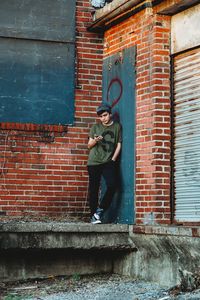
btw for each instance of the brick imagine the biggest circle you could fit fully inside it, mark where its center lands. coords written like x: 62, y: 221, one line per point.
x: 39, y: 171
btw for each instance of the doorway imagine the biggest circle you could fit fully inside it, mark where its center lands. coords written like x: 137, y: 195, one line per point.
x: 119, y: 92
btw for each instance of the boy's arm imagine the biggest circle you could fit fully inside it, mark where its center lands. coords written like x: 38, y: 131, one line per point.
x: 117, y: 151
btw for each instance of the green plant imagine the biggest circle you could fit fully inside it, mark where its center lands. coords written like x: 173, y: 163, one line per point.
x: 76, y: 277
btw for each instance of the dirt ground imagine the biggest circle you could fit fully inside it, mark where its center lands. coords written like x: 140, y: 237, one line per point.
x: 65, y: 286
x: 99, y: 287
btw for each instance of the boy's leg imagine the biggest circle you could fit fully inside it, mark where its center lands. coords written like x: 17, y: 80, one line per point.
x: 93, y: 189
x: 109, y: 174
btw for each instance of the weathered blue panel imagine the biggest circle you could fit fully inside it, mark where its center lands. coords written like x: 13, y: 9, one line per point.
x: 36, y: 82
x: 37, y: 61
x: 52, y: 20
x: 119, y: 91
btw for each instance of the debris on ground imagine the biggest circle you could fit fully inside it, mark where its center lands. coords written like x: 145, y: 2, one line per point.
x: 188, y: 282
x: 98, y: 287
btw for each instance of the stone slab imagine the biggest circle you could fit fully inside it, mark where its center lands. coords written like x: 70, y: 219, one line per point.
x: 53, y: 235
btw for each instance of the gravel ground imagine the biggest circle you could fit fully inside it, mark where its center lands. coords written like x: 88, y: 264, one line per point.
x: 104, y: 287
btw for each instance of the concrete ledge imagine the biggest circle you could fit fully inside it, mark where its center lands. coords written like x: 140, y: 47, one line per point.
x: 37, y: 249
x: 20, y: 226
x: 153, y: 253
x: 39, y: 235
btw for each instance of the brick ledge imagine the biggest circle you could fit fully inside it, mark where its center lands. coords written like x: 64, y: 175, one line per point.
x: 192, y: 231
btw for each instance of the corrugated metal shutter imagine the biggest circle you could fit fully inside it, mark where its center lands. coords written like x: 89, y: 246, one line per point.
x: 187, y: 136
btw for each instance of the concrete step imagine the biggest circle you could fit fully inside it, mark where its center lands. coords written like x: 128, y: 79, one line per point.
x: 39, y: 249
x: 61, y: 235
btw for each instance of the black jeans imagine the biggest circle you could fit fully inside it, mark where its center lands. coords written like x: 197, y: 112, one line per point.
x: 108, y: 172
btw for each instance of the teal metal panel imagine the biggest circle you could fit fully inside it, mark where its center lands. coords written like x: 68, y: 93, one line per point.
x: 119, y: 92
x: 36, y: 82
x: 37, y: 61
x: 52, y: 20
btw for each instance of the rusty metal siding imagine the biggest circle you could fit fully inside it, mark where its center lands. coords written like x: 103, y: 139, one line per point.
x: 187, y: 136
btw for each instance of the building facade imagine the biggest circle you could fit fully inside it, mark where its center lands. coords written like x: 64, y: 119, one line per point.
x: 59, y: 61
x: 140, y: 56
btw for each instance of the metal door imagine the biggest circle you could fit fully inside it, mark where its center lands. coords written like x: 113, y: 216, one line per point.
x: 119, y: 92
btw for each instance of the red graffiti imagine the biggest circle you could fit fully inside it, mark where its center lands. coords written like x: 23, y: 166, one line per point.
x: 116, y: 100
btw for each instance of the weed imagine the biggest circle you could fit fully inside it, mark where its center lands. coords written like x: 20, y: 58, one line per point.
x: 76, y: 277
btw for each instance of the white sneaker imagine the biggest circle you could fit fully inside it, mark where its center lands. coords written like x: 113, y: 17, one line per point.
x: 95, y: 219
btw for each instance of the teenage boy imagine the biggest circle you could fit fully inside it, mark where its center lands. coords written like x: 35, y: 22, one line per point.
x: 105, y: 145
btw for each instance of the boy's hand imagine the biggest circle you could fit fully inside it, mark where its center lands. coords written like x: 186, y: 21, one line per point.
x: 93, y: 141
x: 98, y: 138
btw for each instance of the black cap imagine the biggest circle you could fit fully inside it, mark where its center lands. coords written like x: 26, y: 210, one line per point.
x: 102, y: 108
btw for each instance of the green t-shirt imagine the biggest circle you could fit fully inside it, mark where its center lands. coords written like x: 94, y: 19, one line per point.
x: 103, y: 151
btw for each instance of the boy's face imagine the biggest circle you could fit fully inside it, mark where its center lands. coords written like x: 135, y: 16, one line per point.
x: 105, y: 118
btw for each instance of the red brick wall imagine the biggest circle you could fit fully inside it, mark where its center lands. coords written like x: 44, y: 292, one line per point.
x: 43, y: 168
x: 151, y: 35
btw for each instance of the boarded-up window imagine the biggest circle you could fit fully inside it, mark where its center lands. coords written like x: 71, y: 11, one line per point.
x: 37, y: 50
